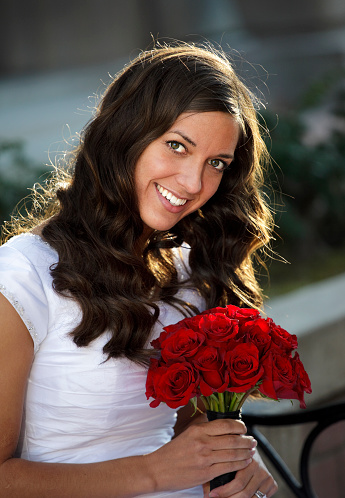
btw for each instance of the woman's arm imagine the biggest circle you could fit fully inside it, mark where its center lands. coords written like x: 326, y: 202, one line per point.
x: 198, y: 454
x: 126, y: 477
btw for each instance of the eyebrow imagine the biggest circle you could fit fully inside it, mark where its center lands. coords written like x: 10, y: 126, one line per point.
x: 190, y: 141
x: 187, y: 139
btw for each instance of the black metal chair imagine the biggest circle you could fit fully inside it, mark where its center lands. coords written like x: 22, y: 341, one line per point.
x: 323, y: 417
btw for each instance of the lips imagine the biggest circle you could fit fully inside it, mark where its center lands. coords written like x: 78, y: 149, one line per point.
x: 174, y: 201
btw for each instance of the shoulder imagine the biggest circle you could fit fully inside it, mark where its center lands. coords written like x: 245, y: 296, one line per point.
x: 31, y: 246
x: 27, y: 256
x: 25, y: 280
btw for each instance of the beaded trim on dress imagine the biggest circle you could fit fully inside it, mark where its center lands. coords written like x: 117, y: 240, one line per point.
x: 21, y: 311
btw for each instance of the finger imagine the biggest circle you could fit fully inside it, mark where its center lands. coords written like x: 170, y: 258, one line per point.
x: 272, y: 489
x: 218, y: 469
x: 236, y: 455
x: 266, y: 485
x: 225, y: 426
x: 267, y: 489
x: 230, y: 442
x: 237, y: 487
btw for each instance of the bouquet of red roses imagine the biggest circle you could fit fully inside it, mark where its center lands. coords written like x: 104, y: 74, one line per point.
x: 222, y: 356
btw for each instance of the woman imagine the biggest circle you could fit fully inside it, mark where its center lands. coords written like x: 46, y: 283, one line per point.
x: 161, y: 218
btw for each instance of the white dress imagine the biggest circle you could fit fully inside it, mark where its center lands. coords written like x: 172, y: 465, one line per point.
x: 80, y: 408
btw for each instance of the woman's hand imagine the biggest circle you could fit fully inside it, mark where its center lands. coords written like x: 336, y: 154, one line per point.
x: 252, y: 478
x: 200, y: 453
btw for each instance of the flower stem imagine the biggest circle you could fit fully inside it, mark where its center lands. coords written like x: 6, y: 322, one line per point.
x: 227, y: 396
x: 213, y: 402
x: 206, y: 403
x: 245, y: 396
x: 234, y: 402
x: 221, y: 402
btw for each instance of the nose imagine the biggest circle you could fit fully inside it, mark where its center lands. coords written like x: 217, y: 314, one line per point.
x: 191, y: 177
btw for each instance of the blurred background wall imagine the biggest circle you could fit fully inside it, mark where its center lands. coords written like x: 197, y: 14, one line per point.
x: 295, y: 41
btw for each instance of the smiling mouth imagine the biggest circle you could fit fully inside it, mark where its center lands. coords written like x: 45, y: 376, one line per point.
x: 174, y: 201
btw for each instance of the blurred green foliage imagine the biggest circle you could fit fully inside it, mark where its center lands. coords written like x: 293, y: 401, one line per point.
x: 308, y: 182
x: 311, y: 207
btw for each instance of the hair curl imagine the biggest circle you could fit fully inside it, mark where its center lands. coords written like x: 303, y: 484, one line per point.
x: 97, y: 226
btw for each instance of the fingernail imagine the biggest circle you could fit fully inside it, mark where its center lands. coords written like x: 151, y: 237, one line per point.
x: 213, y: 495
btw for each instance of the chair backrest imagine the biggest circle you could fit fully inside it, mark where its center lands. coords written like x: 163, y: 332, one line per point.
x: 323, y: 417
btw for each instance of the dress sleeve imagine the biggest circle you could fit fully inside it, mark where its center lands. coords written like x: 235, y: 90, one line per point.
x: 21, y: 284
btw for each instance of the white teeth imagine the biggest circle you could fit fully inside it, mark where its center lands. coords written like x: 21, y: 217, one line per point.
x: 175, y: 201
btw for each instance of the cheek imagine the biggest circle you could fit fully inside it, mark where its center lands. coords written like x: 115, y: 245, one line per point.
x: 142, y: 176
x: 211, y: 184
x: 152, y: 168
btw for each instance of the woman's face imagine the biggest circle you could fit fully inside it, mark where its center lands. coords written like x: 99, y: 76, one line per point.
x: 181, y: 170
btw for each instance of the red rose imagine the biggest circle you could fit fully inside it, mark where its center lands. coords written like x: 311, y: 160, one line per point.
x: 190, y: 322
x: 172, y: 384
x: 302, y: 380
x: 187, y: 323
x: 157, y: 343
x: 150, y: 382
x: 244, y: 367
x: 284, y: 376
x: 281, y: 337
x: 266, y: 387
x: 182, y: 344
x: 242, y: 314
x: 280, y: 376
x: 213, y: 377
x: 225, y: 349
x: 257, y: 332
x: 219, y: 329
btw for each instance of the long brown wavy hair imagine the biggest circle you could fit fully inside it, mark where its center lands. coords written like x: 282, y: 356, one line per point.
x: 97, y: 226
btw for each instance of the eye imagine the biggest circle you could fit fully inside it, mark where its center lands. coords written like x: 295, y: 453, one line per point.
x: 218, y: 164
x: 176, y: 146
